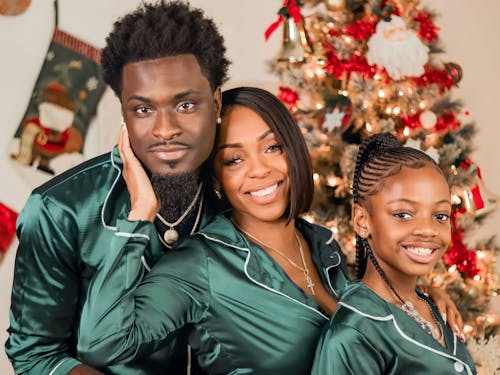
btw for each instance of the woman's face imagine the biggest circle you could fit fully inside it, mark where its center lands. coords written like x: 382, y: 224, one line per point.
x: 251, y: 167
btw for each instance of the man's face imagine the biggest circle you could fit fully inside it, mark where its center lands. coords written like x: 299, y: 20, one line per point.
x: 170, y: 112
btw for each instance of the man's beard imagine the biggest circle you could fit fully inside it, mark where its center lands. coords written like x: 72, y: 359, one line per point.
x: 176, y: 192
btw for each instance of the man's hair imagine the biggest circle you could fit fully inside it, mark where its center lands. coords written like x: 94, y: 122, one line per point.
x: 281, y: 122
x: 163, y: 29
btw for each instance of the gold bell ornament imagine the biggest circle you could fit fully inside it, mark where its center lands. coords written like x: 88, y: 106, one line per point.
x: 296, y: 46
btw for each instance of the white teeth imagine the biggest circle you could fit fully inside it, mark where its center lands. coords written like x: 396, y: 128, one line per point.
x: 263, y: 192
x: 420, y: 250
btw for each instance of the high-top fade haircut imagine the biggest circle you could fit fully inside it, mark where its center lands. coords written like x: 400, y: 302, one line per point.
x: 380, y: 156
x: 283, y: 125
x: 162, y: 29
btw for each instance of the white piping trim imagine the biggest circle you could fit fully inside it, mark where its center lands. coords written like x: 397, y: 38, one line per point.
x: 327, y: 270
x: 145, y: 264
x: 258, y: 283
x: 402, y: 334
x: 58, y: 365
x: 132, y: 235
x: 109, y: 193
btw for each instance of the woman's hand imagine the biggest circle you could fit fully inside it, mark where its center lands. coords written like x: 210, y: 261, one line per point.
x: 144, y: 202
x: 447, y: 308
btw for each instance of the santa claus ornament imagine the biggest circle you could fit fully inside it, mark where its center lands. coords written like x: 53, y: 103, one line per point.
x: 396, y: 49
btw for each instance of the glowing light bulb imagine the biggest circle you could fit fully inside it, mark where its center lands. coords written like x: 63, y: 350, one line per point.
x: 381, y: 93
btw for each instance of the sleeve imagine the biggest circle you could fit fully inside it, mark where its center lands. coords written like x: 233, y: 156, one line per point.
x: 124, y: 318
x: 344, y: 350
x: 44, y: 293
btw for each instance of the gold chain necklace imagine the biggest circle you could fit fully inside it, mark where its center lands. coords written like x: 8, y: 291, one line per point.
x: 171, y: 235
x: 304, y: 269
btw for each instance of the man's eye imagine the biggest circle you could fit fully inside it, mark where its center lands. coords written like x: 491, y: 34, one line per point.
x: 143, y: 110
x: 186, y: 106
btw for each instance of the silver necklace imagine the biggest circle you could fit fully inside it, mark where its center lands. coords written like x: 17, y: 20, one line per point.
x: 171, y: 235
x: 304, y: 269
x: 407, y: 306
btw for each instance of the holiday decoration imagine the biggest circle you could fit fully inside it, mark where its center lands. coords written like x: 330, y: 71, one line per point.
x: 8, y: 219
x: 52, y: 132
x: 13, y: 7
x: 398, y: 50
x: 376, y: 67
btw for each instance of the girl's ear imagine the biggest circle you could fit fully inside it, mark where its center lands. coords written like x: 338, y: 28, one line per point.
x: 360, y: 221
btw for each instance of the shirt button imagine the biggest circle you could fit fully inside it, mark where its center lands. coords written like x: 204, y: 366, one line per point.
x: 459, y: 367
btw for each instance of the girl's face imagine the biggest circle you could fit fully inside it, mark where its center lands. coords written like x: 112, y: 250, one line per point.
x: 409, y: 221
x: 251, y: 167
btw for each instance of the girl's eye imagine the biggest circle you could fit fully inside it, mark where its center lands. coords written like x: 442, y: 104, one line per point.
x: 402, y: 215
x: 186, y: 107
x: 275, y: 148
x: 443, y: 217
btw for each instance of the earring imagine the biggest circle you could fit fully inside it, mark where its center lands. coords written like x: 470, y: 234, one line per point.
x: 123, y: 122
x: 219, y: 120
x: 363, y: 234
x: 218, y: 193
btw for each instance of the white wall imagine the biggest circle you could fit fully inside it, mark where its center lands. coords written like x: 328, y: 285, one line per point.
x: 469, y: 35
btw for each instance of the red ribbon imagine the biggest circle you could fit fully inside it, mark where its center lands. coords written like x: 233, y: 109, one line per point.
x: 293, y: 11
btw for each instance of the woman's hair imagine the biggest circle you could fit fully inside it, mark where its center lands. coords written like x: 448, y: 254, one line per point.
x: 163, y: 29
x: 283, y: 125
x: 380, y: 156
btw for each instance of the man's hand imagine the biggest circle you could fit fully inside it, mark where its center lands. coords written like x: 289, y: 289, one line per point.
x: 447, y: 309
x: 144, y: 203
x: 84, y: 370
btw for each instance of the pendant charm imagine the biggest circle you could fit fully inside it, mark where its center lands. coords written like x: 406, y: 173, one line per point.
x: 170, y: 236
x: 310, y: 284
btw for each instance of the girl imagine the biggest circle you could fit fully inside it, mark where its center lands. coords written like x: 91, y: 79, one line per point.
x: 384, y: 324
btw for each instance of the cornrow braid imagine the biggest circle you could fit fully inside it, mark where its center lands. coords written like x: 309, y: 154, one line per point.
x: 380, y: 156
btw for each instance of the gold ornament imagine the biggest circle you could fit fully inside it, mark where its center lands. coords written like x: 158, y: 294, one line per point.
x: 335, y: 5
x: 296, y: 47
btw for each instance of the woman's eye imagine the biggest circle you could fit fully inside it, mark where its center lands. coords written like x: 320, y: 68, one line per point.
x: 232, y: 161
x: 275, y: 148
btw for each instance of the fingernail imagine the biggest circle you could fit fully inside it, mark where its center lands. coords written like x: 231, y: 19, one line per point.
x: 444, y: 316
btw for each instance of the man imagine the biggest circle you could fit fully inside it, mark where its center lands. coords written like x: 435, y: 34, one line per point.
x: 166, y: 64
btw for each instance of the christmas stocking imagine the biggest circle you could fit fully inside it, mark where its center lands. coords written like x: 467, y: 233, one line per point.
x: 51, y: 135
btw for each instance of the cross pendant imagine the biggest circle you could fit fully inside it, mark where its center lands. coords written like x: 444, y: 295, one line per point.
x: 310, y: 284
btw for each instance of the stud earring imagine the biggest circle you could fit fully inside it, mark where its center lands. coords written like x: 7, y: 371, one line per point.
x: 362, y: 234
x: 219, y: 120
x: 218, y: 193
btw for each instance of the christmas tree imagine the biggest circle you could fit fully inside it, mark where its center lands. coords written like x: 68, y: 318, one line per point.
x: 352, y: 68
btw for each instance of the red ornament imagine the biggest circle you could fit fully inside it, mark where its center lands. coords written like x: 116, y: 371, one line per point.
x: 455, y: 71
x: 458, y: 254
x: 289, y: 97
x: 8, y: 219
x: 427, y: 29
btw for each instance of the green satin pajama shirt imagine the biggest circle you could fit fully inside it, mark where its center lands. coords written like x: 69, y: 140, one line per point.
x: 65, y: 231
x: 246, y: 315
x: 368, y: 335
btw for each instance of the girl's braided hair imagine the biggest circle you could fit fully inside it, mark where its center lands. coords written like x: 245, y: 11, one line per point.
x: 380, y: 156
